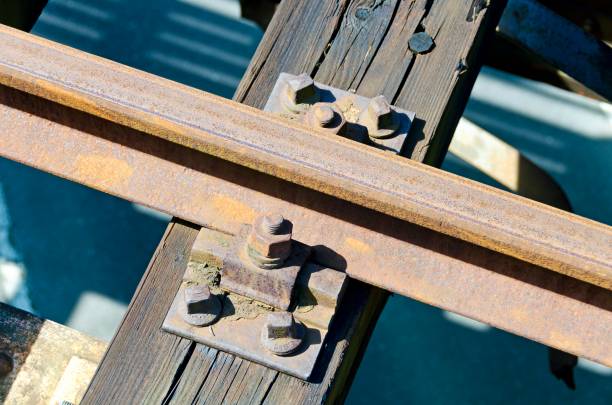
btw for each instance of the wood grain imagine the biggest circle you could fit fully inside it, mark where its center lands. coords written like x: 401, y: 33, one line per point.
x: 559, y: 42
x: 360, y: 45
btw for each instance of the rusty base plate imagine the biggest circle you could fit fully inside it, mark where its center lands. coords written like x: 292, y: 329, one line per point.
x: 318, y: 290
x: 351, y: 105
x: 241, y: 336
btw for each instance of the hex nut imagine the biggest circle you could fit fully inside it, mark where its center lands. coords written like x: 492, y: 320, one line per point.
x: 326, y: 116
x: 201, y: 307
x: 380, y: 119
x: 272, y: 223
x: 281, y: 334
x: 299, y: 93
x: 269, y: 246
x: 323, y: 114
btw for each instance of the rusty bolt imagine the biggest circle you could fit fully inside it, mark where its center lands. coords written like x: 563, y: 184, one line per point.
x: 6, y: 364
x: 420, y: 42
x: 323, y: 114
x: 201, y: 307
x: 281, y: 334
x: 269, y: 242
x: 299, y: 92
x: 326, y: 116
x: 379, y: 118
x: 272, y: 223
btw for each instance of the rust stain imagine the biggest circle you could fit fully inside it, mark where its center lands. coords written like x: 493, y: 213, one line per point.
x: 358, y: 245
x: 233, y: 210
x: 103, y: 170
x: 393, y: 186
x: 376, y: 251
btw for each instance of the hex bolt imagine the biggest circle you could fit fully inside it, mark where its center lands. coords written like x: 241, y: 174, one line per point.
x: 281, y: 334
x: 272, y: 223
x: 379, y: 118
x: 300, y: 92
x: 269, y: 242
x: 326, y: 116
x: 6, y: 364
x: 201, y: 308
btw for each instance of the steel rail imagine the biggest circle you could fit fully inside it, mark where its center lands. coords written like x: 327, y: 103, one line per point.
x: 404, y: 258
x: 519, y: 297
x: 335, y: 166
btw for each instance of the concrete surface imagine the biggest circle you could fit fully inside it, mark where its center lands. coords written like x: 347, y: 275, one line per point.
x: 75, y: 256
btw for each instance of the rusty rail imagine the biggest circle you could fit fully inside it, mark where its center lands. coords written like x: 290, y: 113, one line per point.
x: 398, y: 187
x: 106, y: 154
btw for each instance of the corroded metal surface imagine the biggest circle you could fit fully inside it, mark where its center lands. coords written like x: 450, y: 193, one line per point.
x: 270, y: 286
x: 507, y: 293
x: 243, y: 320
x: 351, y: 107
x: 402, y: 257
x: 334, y: 166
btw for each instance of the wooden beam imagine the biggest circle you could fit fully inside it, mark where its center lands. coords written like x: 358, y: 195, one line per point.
x: 48, y: 362
x: 341, y: 43
x: 559, y: 42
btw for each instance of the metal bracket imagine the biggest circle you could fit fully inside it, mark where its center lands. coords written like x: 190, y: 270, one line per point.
x: 259, y: 274
x: 244, y: 324
x: 366, y: 120
x: 273, y: 287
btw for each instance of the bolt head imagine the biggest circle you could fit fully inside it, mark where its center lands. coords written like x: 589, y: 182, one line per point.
x: 380, y: 106
x: 272, y: 223
x: 326, y: 116
x: 264, y: 244
x: 279, y: 325
x: 379, y: 118
x: 420, y: 42
x: 380, y: 111
x: 201, y: 308
x: 300, y: 90
x: 281, y: 334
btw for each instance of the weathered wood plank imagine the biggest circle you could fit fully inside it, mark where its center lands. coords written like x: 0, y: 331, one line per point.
x: 560, y: 42
x: 393, y: 58
x: 295, y: 41
x: 439, y: 82
x: 143, y: 361
x: 363, y: 27
x: 49, y: 361
x: 360, y: 44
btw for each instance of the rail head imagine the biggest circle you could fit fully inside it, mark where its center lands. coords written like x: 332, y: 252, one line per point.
x: 394, y: 186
